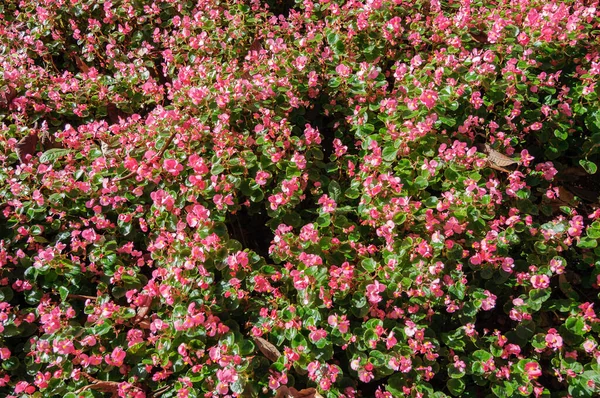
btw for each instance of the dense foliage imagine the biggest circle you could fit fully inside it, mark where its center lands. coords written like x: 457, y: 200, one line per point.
x: 355, y: 198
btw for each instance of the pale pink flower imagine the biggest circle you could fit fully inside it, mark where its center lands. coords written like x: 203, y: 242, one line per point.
x: 261, y: 177
x: 373, y: 291
x: 429, y: 98
x: 540, y: 281
x: 553, y: 339
x: 343, y: 70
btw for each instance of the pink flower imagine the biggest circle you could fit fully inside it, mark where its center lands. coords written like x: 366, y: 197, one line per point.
x: 89, y: 235
x: 343, y: 70
x: 553, y: 339
x: 134, y: 336
x: 526, y: 158
x: 540, y: 281
x: 547, y: 169
x: 197, y: 214
x: 328, y: 204
x: 172, y: 166
x: 4, y: 353
x: 365, y: 375
x: 25, y: 387
x: 317, y: 335
x: 428, y: 98
x: 311, y: 135
x: 489, y: 302
x: 536, y: 126
x: 373, y: 291
x: 533, y: 370
x: 89, y: 340
x: 116, y: 358
x: 227, y: 375
x: 589, y: 346
x: 261, y: 177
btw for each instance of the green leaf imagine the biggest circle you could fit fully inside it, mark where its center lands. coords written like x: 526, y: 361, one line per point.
x: 526, y: 329
x: 588, y: 166
x: 6, y: 294
x: 246, y: 347
x: 504, y: 390
x: 11, y: 363
x: 369, y: 264
x: 389, y: 153
x: 450, y: 175
x: 52, y: 154
x: 575, y: 325
x: 482, y: 355
x: 593, y: 230
x: 587, y: 243
x: 334, y: 82
x: 335, y: 190
x: 456, y: 386
x: 217, y: 168
x: 421, y: 182
x: 64, y: 292
x: 561, y: 135
x: 352, y: 193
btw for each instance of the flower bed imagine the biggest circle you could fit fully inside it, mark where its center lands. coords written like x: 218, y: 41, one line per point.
x: 334, y: 198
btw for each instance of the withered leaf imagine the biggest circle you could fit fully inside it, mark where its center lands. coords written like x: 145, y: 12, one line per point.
x: 497, y: 158
x: 26, y: 146
x: 269, y: 350
x: 111, y: 387
x: 571, y: 172
x: 114, y: 113
x: 49, y: 142
x: 586, y: 194
x: 480, y: 37
x: 291, y: 392
x: 256, y: 45
x: 565, y: 287
x: 161, y: 391
x: 7, y: 96
x: 142, y: 310
x: 80, y: 64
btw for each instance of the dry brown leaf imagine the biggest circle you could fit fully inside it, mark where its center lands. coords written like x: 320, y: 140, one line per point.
x: 564, y: 197
x: 480, y: 37
x: 256, y: 45
x: 142, y: 310
x: 291, y: 392
x: 111, y: 387
x: 564, y: 285
x: 26, y: 146
x: 283, y: 392
x: 48, y: 141
x: 161, y: 391
x: 497, y: 158
x: 80, y: 64
x: 585, y: 194
x: 114, y: 113
x: 571, y: 172
x: 269, y: 350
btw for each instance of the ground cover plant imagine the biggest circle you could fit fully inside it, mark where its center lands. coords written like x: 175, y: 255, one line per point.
x: 299, y: 199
